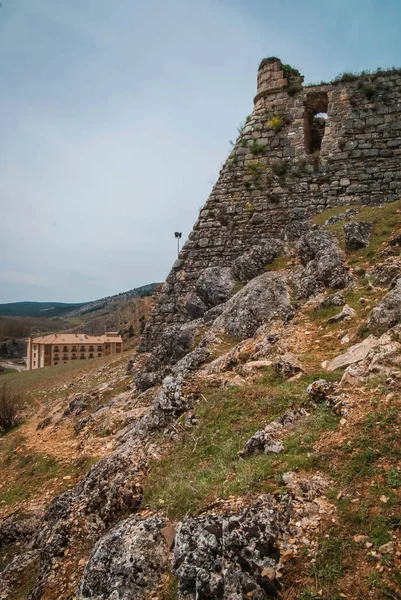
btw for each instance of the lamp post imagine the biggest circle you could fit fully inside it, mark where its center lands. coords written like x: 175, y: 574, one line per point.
x: 178, y: 235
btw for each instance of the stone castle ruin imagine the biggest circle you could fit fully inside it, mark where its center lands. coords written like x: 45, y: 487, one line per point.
x: 302, y: 150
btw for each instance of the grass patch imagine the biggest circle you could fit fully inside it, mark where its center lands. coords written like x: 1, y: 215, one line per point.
x: 385, y: 221
x: 204, y: 465
x: 279, y: 264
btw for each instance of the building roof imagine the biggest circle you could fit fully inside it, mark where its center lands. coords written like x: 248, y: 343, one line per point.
x: 76, y: 338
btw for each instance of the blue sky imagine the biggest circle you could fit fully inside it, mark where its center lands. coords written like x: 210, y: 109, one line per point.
x: 116, y: 117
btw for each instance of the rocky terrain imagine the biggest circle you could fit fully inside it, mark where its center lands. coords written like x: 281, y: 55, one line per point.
x: 254, y: 453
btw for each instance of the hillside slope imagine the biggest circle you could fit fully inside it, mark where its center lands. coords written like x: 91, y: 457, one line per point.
x: 257, y: 455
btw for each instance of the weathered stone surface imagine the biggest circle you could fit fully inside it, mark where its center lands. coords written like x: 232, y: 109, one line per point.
x: 386, y: 272
x: 270, y: 438
x: 229, y: 556
x: 323, y: 260
x: 336, y: 299
x: 388, y: 313
x: 127, y: 562
x: 77, y: 405
x: 357, y: 234
x: 346, y: 314
x: 319, y: 390
x: 262, y: 300
x: 287, y: 365
x: 353, y: 355
x: 253, y: 262
x: 215, y: 285
x: 14, y: 573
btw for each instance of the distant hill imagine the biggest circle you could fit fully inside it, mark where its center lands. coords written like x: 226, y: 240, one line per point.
x: 49, y: 310
x: 37, y: 309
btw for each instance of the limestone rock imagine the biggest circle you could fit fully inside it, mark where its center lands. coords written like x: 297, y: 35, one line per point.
x: 269, y: 439
x: 386, y: 272
x: 388, y: 313
x: 319, y: 390
x: 228, y: 556
x: 252, y: 263
x: 287, y: 365
x: 357, y: 234
x: 336, y: 299
x: 127, y: 562
x: 353, y: 355
x: 262, y: 300
x: 215, y: 285
x: 324, y: 262
x: 346, y: 314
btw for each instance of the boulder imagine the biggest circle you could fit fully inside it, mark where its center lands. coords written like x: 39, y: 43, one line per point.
x: 262, y: 300
x: 353, y: 355
x: 386, y: 272
x: 253, y: 262
x: 336, y: 299
x: 346, y: 314
x: 229, y: 556
x: 334, y: 219
x: 270, y: 438
x: 128, y: 562
x: 388, y: 313
x: 357, y: 234
x: 287, y: 365
x: 323, y: 260
x: 215, y: 285
x: 319, y: 390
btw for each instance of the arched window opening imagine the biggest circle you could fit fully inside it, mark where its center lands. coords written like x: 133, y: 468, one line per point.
x: 315, y: 120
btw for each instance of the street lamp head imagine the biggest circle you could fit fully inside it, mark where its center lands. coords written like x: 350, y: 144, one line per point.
x: 178, y: 234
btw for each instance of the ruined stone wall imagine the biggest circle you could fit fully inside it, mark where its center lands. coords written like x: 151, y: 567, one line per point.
x: 276, y: 177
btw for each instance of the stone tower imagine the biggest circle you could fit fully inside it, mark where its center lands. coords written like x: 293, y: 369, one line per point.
x: 303, y: 149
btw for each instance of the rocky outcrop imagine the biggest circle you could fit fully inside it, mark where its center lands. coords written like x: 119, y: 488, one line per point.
x: 287, y: 365
x: 354, y: 354
x: 127, y: 563
x: 386, y: 272
x: 388, y: 313
x: 270, y: 438
x: 215, y: 285
x: 230, y: 556
x: 253, y: 262
x: 323, y: 261
x: 262, y: 300
x: 357, y: 235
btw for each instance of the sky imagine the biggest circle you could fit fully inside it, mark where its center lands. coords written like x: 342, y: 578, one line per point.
x: 115, y: 118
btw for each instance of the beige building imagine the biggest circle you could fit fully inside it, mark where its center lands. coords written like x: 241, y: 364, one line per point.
x: 62, y: 348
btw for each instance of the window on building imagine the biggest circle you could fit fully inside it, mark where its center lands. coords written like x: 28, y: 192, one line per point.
x: 91, y: 348
x: 65, y: 357
x: 74, y: 349
x: 82, y: 357
x: 100, y: 348
x: 34, y: 363
x: 65, y: 349
x: 34, y: 347
x: 91, y: 355
x: 82, y: 348
x: 56, y: 349
x: 315, y: 120
x: 99, y: 354
x: 73, y: 357
x: 118, y: 347
x: 56, y: 363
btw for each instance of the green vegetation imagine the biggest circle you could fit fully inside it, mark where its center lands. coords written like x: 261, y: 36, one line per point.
x: 276, y: 123
x: 279, y: 264
x: 369, y: 90
x: 38, y: 309
x: 280, y: 168
x: 205, y: 465
x: 294, y: 88
x: 256, y: 148
x: 385, y: 222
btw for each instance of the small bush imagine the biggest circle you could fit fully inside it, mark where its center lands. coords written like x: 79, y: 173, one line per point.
x: 294, y: 88
x: 369, y: 90
x: 256, y: 148
x: 8, y: 409
x: 276, y: 123
x: 247, y: 184
x: 279, y: 168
